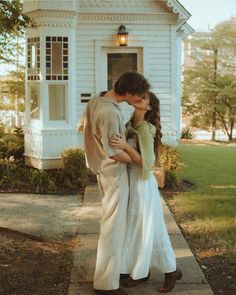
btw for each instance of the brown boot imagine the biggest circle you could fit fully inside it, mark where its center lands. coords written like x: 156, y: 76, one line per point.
x: 170, y: 280
x: 110, y: 292
x: 129, y: 283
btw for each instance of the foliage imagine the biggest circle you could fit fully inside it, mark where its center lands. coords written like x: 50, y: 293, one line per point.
x: 14, y: 175
x: 13, y: 88
x: 8, y: 171
x: 42, y: 180
x: 12, y: 144
x: 186, y: 133
x: 12, y: 26
x: 209, y: 86
x: 2, y: 130
x: 11, y: 17
x: 75, y: 170
x: 170, y: 160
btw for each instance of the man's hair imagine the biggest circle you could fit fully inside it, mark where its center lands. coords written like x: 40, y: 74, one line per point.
x: 131, y: 82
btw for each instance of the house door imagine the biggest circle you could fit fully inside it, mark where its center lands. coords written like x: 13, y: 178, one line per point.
x: 118, y: 61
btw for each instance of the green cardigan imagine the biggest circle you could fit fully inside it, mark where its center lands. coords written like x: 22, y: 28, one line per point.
x: 146, y: 133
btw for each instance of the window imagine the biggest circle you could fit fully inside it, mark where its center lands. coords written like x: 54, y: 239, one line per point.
x: 119, y: 63
x: 57, y: 102
x: 34, y: 97
x: 33, y: 62
x: 56, y: 58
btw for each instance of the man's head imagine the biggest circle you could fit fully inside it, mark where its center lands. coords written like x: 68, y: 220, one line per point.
x: 132, y: 86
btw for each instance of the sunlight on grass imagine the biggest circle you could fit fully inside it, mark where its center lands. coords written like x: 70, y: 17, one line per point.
x: 209, y: 166
x: 208, y: 213
x: 223, y: 186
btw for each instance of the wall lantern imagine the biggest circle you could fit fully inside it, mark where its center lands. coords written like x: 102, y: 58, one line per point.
x: 122, y: 36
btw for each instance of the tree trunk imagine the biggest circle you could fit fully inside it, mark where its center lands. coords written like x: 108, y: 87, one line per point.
x: 213, y: 135
x: 230, y: 136
x: 213, y: 125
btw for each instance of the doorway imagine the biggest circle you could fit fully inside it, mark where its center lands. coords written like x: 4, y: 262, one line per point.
x: 117, y: 61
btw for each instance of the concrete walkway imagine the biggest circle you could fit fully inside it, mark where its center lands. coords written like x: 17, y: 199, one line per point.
x: 46, y: 216
x: 192, y: 283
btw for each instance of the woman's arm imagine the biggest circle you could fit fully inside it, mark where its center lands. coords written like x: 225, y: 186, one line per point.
x: 120, y: 142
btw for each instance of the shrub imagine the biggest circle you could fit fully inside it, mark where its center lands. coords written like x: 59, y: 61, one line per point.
x: 8, y: 173
x: 12, y: 144
x: 2, y: 130
x: 74, y: 170
x: 186, y: 133
x: 14, y: 175
x: 3, y: 149
x: 42, y: 181
x: 170, y: 161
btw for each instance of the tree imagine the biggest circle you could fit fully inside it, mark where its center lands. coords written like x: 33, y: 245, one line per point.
x: 12, y: 26
x: 211, y: 81
x: 226, y: 109
x: 13, y: 89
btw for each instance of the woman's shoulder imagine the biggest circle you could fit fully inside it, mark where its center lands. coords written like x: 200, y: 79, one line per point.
x: 144, y: 126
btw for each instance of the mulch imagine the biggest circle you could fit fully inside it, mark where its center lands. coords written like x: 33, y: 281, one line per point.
x: 31, y: 265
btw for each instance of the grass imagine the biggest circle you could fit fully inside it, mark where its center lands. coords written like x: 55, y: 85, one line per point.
x: 207, y: 213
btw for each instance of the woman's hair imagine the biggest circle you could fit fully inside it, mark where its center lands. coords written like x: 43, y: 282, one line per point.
x: 153, y: 116
x: 131, y: 82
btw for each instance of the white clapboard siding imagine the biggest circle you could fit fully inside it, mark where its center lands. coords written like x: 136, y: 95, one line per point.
x: 158, y: 38
x: 91, y: 26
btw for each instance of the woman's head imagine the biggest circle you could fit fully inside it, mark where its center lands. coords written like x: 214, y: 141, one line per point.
x: 149, y: 104
x: 152, y: 114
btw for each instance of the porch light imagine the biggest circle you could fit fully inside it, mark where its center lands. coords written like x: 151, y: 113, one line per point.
x: 122, y: 36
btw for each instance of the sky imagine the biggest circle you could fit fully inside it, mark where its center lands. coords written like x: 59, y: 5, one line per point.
x: 208, y: 13
x: 205, y: 15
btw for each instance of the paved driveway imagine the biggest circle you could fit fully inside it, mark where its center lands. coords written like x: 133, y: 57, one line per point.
x: 47, y: 216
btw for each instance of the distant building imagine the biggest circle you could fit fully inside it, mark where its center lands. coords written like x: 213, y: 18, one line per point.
x: 75, y: 53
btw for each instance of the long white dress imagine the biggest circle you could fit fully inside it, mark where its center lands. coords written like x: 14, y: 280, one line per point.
x: 147, y: 241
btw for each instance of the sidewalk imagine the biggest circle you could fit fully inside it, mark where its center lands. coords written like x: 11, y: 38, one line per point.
x: 192, y: 283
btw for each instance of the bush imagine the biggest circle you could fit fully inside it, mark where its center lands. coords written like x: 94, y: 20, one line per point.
x: 42, y: 181
x: 14, y: 175
x: 69, y: 179
x: 186, y: 133
x: 3, y: 149
x: 74, y: 170
x: 12, y: 143
x: 170, y: 161
x: 2, y: 130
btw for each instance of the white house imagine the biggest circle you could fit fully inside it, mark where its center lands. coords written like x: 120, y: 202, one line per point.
x: 74, y: 53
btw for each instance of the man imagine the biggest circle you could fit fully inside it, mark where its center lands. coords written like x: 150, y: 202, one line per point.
x: 102, y: 120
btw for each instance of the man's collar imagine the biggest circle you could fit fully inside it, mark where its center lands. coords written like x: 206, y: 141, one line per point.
x: 110, y: 100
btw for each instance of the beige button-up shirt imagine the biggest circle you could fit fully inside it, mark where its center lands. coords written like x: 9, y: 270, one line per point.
x: 103, y: 119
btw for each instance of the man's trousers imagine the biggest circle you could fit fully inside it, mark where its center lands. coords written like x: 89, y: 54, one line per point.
x: 115, y: 191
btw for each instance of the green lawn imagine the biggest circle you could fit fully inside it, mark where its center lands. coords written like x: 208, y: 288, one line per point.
x: 207, y: 213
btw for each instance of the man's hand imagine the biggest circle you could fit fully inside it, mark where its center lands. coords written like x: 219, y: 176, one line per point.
x: 122, y: 157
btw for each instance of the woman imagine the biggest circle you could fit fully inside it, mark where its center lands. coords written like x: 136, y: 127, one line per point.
x: 147, y: 242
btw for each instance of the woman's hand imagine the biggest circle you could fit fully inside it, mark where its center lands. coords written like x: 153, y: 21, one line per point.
x: 118, y: 142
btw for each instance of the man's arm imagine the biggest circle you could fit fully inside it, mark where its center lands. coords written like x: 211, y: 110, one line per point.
x: 108, y: 124
x: 122, y: 157
x: 120, y: 143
